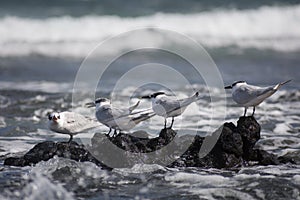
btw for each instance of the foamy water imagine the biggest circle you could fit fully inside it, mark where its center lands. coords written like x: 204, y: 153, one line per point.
x: 267, y: 27
x: 43, y: 45
x: 24, y: 125
x: 61, y: 178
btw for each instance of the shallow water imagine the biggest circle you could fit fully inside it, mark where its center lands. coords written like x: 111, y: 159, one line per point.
x: 23, y: 124
x: 25, y: 101
x: 43, y: 44
x: 60, y: 178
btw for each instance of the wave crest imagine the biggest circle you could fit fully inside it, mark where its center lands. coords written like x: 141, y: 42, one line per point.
x: 268, y: 27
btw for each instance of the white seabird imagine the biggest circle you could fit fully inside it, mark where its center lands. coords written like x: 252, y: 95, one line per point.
x: 70, y: 123
x: 116, y: 118
x: 251, y: 96
x: 167, y: 106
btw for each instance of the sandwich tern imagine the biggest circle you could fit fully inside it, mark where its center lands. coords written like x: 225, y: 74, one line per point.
x: 70, y: 123
x: 116, y: 118
x: 251, y: 96
x: 166, y: 107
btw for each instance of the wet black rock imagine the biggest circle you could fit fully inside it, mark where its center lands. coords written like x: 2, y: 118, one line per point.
x: 235, y: 147
x: 45, y: 150
x: 249, y: 130
x: 230, y: 146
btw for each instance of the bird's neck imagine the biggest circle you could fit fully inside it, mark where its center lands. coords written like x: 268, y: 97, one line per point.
x: 57, y: 123
x: 238, y: 86
x: 99, y: 105
x: 153, y: 100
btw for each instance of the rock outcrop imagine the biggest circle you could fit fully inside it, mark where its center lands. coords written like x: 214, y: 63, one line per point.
x: 45, y: 150
x: 234, y: 147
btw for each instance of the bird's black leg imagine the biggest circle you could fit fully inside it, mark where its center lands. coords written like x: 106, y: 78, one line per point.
x: 115, y: 133
x: 165, y: 123
x: 245, y: 112
x: 71, y: 138
x: 172, y: 122
x: 253, y: 111
x: 107, y: 134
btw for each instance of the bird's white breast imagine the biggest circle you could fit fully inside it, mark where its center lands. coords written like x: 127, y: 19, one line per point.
x: 158, y: 108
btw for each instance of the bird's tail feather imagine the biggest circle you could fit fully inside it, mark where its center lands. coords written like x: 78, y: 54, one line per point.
x: 189, y: 100
x: 143, y: 117
x: 280, y: 84
x: 137, y: 112
x: 196, y: 94
x: 131, y: 108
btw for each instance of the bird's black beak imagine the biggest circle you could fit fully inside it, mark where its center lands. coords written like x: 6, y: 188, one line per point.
x: 146, y: 97
x: 228, y: 87
x: 90, y: 104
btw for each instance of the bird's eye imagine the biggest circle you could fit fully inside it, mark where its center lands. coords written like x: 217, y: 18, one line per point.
x: 49, y: 117
x: 58, y: 117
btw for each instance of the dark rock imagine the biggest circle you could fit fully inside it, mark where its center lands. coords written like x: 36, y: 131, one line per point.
x: 249, y: 130
x: 11, y: 161
x: 234, y: 146
x: 139, y: 145
x: 286, y: 159
x: 167, y: 135
x: 47, y: 150
x: 140, y: 134
x: 231, y: 140
x: 42, y: 151
x: 66, y: 171
x: 265, y: 158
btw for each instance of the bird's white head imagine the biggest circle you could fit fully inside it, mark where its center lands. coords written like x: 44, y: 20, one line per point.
x: 98, y: 103
x: 235, y: 84
x: 54, y: 117
x: 101, y: 102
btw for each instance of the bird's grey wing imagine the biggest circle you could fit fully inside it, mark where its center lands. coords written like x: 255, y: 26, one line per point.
x: 121, y: 111
x: 117, y: 112
x: 168, y: 104
x: 263, y: 91
x: 71, y: 117
x: 106, y: 114
x: 143, y: 117
x: 248, y: 93
x: 77, y: 122
x: 110, y: 115
x: 187, y: 101
x: 127, y: 112
x: 180, y: 106
x: 124, y: 112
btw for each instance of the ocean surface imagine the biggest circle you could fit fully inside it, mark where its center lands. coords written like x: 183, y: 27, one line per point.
x: 43, y: 44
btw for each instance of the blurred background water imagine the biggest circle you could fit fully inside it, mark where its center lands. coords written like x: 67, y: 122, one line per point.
x: 43, y: 43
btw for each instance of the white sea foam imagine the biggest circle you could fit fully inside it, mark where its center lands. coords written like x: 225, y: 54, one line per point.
x: 268, y: 27
x: 281, y: 128
x: 76, y: 168
x: 205, y: 185
x: 18, y: 145
x: 2, y: 122
x: 217, y: 193
x: 42, y: 187
x: 139, y: 169
x: 297, y: 179
x: 183, y: 178
x: 4, y: 101
x: 44, y: 86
